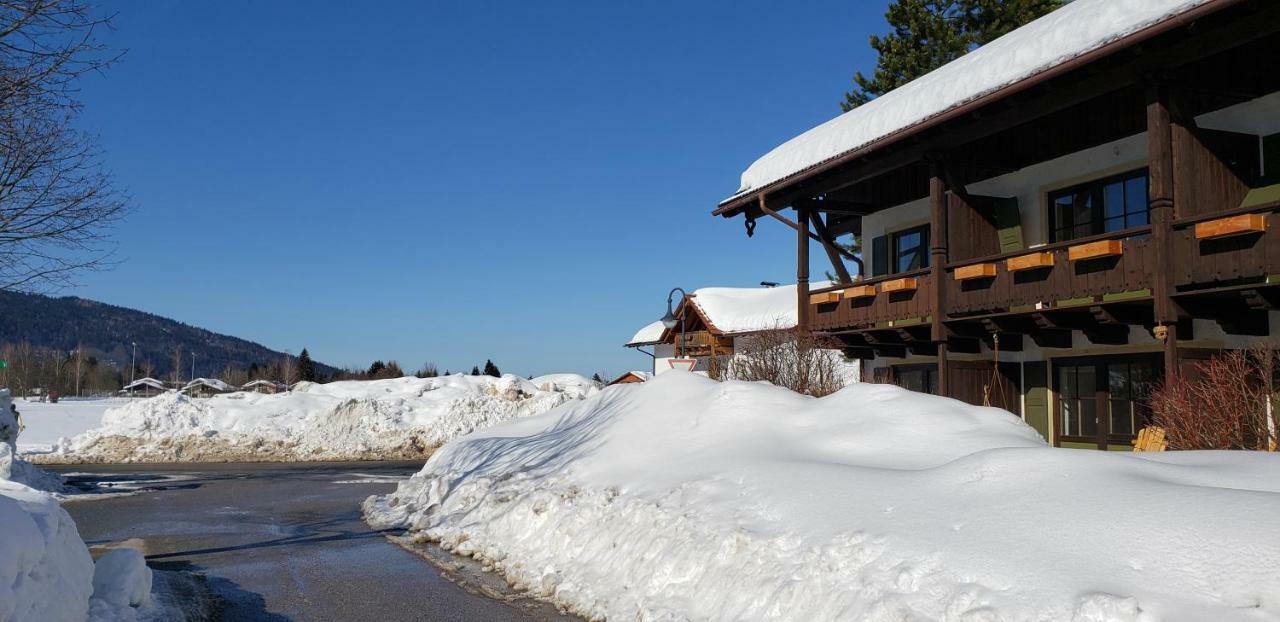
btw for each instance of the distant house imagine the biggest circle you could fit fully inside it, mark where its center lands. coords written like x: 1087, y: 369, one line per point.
x: 711, y: 320
x: 631, y: 377
x: 206, y: 387
x: 145, y: 387
x: 262, y: 386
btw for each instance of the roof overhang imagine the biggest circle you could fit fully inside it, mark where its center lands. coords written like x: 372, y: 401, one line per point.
x: 749, y: 199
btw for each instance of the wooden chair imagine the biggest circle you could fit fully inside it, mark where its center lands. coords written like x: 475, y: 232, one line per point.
x: 1150, y: 438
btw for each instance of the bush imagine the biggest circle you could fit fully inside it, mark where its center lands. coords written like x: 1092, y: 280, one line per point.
x: 1223, y: 407
x: 791, y: 358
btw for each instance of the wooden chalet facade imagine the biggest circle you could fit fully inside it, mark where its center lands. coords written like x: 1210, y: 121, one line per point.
x: 1054, y: 245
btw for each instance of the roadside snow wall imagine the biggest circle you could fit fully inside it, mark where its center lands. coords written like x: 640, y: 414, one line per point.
x: 684, y: 498
x: 401, y: 418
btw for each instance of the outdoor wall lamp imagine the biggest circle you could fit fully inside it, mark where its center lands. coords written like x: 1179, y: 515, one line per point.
x: 669, y: 320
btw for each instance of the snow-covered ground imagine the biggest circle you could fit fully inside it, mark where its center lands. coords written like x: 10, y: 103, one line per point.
x: 684, y: 498
x: 46, y: 572
x: 45, y: 425
x: 401, y: 418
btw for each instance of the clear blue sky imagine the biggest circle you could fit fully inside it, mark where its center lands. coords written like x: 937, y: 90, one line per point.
x: 521, y: 181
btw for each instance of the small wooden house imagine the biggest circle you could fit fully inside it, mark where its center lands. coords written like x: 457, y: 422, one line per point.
x: 206, y: 387
x: 144, y: 387
x: 631, y: 377
x: 262, y: 386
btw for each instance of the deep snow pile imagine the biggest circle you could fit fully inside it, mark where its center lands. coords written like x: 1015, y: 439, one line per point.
x: 46, y: 572
x: 687, y: 498
x: 353, y: 420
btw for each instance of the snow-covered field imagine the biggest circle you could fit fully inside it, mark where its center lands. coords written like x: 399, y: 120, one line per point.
x: 402, y: 418
x: 46, y: 572
x: 45, y: 425
x: 684, y: 498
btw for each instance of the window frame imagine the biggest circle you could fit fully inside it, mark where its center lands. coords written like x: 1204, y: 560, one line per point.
x: 1103, y: 399
x: 1098, y: 217
x: 895, y: 257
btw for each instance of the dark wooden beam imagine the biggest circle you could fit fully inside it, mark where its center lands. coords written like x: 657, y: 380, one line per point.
x: 963, y: 345
x: 829, y: 246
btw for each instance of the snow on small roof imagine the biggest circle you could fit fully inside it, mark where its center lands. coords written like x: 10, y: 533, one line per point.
x: 647, y: 336
x: 145, y: 382
x: 1077, y: 28
x: 731, y: 310
x: 260, y: 381
x: 209, y: 382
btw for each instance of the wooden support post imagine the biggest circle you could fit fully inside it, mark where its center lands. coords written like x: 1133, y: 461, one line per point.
x: 1160, y: 188
x: 802, y: 269
x: 829, y: 245
x: 937, y: 259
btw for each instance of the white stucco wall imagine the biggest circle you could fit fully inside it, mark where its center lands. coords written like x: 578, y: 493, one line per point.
x: 1032, y: 184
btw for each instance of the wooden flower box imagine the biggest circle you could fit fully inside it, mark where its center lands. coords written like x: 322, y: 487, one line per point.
x: 1095, y: 250
x: 976, y: 271
x: 1233, y: 225
x: 824, y: 298
x: 904, y: 284
x: 860, y: 291
x: 1032, y: 261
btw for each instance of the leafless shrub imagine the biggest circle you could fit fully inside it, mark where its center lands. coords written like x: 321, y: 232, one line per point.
x: 1225, y: 406
x: 791, y: 358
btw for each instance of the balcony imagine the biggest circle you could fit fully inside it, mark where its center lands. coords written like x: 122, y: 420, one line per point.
x: 895, y: 300
x: 1082, y: 271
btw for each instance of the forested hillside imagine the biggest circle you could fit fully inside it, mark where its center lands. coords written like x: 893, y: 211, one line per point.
x: 105, y: 332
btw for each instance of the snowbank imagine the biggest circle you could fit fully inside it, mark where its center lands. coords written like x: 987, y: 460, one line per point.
x: 684, y: 498
x: 46, y: 572
x: 46, y: 425
x: 355, y: 420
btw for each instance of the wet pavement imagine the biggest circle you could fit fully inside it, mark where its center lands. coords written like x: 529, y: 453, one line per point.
x: 286, y: 541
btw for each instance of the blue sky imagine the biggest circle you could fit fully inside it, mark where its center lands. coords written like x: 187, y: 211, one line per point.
x: 450, y: 182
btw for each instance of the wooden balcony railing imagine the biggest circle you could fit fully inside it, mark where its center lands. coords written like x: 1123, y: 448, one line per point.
x: 1226, y: 248
x: 1058, y: 274
x: 898, y: 298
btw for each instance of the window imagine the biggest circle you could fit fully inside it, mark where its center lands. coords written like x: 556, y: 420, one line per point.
x: 918, y: 378
x: 1100, y: 206
x: 1104, y: 400
x: 1077, y: 400
x: 911, y: 249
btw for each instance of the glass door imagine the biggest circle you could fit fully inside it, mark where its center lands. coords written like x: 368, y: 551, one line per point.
x: 1104, y: 400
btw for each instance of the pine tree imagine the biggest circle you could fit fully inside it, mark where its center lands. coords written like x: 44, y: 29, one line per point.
x: 306, y: 367
x: 375, y: 369
x: 491, y: 370
x: 475, y: 371
x: 928, y: 34
x: 596, y: 377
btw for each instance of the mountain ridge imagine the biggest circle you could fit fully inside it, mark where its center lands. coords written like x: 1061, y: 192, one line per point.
x: 107, y: 330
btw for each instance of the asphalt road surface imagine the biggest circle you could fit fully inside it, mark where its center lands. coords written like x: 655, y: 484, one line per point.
x: 287, y: 542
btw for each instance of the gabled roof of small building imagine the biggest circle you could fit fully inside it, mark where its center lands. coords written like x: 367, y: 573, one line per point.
x: 145, y: 382
x: 1077, y: 29
x: 212, y: 383
x: 647, y: 336
x: 733, y: 311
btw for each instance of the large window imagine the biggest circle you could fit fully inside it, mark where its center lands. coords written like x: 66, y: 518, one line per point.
x: 1104, y: 400
x: 1109, y: 204
x: 911, y: 249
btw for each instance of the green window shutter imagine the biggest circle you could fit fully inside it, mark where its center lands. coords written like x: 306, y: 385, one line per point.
x: 1270, y: 160
x: 1035, y: 387
x: 1008, y: 224
x: 880, y: 255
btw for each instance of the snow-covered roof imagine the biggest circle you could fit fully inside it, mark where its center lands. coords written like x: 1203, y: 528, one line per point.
x: 1076, y: 29
x: 259, y: 382
x: 212, y: 383
x: 731, y: 310
x: 647, y: 336
x: 736, y: 310
x: 144, y: 382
